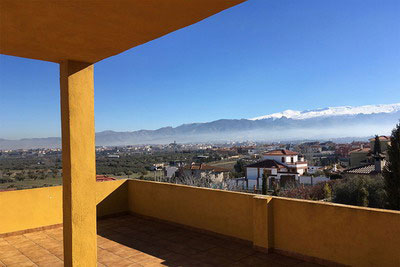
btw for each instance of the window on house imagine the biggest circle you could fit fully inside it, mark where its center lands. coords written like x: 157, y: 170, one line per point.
x: 283, y: 159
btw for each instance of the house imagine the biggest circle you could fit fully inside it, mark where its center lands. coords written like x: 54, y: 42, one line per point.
x: 359, y: 156
x: 288, y: 158
x: 276, y: 172
x: 363, y: 156
x: 281, y: 165
x: 216, y: 174
x: 343, y: 150
x: 371, y: 169
x: 314, y: 169
x: 157, y: 167
x: 384, y: 140
x: 170, y: 171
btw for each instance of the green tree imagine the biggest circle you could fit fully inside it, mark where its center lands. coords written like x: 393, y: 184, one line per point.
x: 20, y: 177
x: 240, y: 166
x: 359, y: 190
x: 362, y: 194
x: 377, y: 145
x: 264, y: 184
x: 129, y: 173
x: 276, y: 188
x: 391, y: 173
x: 42, y: 176
x: 32, y: 175
x: 327, y: 192
x: 55, y: 172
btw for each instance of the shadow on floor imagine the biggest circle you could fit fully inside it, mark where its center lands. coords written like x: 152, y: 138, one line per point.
x: 129, y: 239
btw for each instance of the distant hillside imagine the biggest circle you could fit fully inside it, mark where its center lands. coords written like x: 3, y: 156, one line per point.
x: 320, y: 124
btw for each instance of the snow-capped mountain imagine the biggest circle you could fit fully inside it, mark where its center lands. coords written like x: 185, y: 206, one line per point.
x: 320, y: 124
x: 332, y: 111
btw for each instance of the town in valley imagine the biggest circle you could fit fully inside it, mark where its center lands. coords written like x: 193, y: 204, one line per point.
x: 308, y: 169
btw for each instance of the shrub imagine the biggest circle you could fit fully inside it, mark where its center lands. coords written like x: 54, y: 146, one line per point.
x: 327, y: 192
x: 360, y: 191
x: 315, y: 192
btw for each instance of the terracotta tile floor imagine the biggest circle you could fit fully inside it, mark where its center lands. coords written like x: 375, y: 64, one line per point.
x: 133, y: 241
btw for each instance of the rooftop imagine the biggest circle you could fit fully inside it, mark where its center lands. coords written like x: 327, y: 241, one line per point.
x: 381, y: 138
x: 268, y: 163
x: 280, y: 152
x: 365, y: 169
x: 361, y: 150
x: 104, y: 178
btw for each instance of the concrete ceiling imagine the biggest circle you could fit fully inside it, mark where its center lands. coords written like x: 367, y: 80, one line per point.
x: 91, y: 30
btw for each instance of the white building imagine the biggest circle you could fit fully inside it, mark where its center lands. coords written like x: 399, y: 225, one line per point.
x: 275, y: 170
x: 281, y: 166
x: 289, y: 158
x: 216, y: 174
x: 169, y: 171
x: 157, y: 167
x: 314, y: 169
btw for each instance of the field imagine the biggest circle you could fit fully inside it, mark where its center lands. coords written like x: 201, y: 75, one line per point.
x: 31, y: 183
x: 227, y: 164
x: 24, y: 170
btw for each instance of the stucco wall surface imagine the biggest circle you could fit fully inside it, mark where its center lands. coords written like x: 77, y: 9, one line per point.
x: 34, y: 208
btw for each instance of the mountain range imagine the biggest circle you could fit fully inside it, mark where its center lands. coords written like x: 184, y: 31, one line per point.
x: 289, y: 125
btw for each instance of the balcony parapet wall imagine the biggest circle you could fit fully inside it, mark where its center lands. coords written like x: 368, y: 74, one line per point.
x: 26, y: 210
x: 316, y: 231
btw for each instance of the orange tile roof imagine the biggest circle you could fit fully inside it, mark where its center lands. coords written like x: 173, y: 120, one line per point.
x: 381, y: 138
x: 363, y: 150
x: 280, y: 152
x: 267, y: 163
x: 103, y: 178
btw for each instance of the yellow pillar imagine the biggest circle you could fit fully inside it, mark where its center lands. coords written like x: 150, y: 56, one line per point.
x: 79, y: 165
x: 263, y: 232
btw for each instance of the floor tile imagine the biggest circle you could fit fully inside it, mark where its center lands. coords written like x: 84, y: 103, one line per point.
x: 16, y: 259
x: 132, y: 241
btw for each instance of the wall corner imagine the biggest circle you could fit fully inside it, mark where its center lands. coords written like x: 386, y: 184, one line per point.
x: 262, y: 223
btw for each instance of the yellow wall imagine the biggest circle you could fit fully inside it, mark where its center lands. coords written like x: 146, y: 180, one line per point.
x: 34, y: 208
x: 222, y: 212
x: 111, y: 197
x: 344, y: 234
x: 262, y: 222
x: 340, y: 233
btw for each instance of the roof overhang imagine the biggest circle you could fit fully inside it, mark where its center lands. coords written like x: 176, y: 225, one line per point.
x: 88, y: 30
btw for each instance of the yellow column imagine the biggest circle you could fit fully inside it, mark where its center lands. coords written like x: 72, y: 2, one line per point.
x: 79, y: 165
x: 263, y: 232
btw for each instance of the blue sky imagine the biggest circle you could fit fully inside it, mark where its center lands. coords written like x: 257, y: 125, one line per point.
x: 254, y: 59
